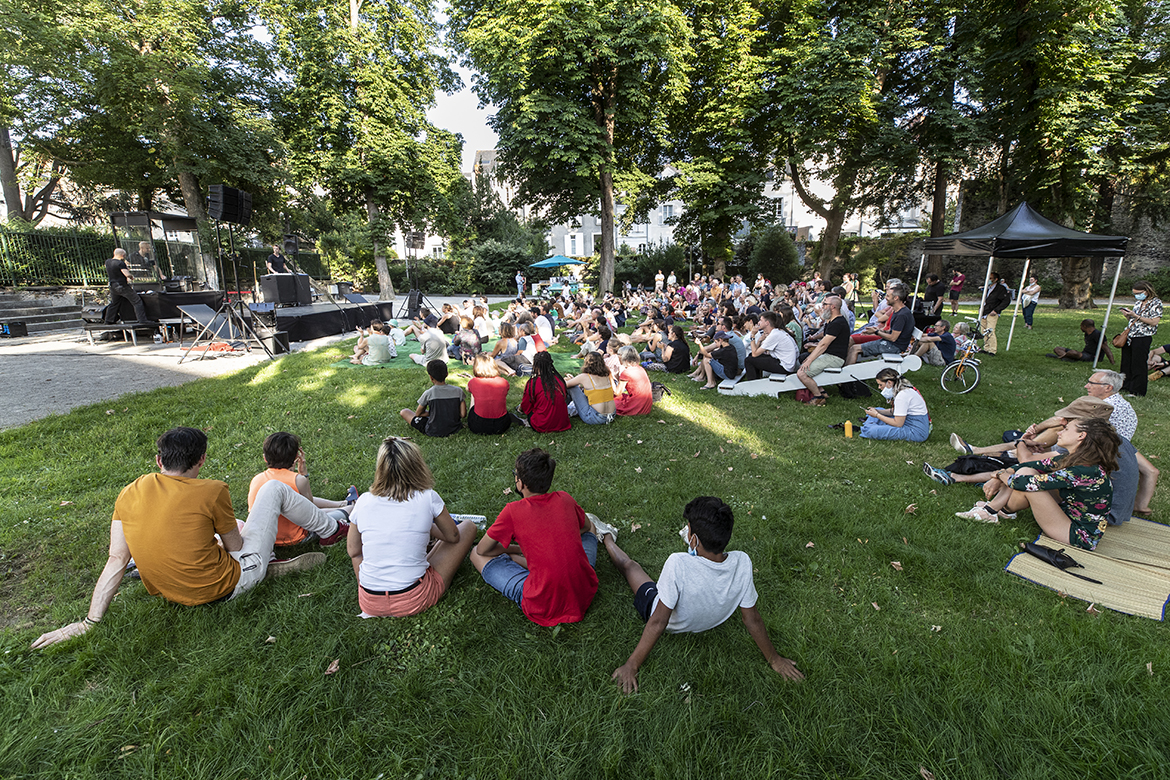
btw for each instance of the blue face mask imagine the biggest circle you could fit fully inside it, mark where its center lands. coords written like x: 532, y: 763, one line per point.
x: 1139, y: 297
x: 692, y: 551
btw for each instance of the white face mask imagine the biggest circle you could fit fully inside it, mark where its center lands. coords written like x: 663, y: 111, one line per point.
x: 888, y: 393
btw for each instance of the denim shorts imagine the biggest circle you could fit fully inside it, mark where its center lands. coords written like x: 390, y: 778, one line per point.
x: 508, y: 577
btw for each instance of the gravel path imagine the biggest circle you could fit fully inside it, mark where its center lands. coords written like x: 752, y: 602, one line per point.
x: 52, y: 374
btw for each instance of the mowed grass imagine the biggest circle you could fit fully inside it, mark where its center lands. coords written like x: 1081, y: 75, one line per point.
x: 947, y: 664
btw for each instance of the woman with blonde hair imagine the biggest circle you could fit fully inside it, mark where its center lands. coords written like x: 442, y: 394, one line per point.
x: 389, y: 529
x: 489, y: 398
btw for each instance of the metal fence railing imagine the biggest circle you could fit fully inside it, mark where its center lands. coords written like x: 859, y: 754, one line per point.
x: 41, y: 259
x: 37, y: 259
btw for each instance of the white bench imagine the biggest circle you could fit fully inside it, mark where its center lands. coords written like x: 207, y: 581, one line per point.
x: 784, y: 383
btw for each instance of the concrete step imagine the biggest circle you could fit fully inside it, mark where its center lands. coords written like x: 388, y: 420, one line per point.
x: 74, y: 314
x: 18, y: 309
x: 55, y: 325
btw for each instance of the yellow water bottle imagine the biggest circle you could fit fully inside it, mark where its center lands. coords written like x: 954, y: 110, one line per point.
x: 848, y: 429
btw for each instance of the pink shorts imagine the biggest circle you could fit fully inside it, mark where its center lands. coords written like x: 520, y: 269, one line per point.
x: 423, y: 596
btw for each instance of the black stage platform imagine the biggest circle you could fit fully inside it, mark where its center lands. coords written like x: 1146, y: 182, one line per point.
x: 303, y: 323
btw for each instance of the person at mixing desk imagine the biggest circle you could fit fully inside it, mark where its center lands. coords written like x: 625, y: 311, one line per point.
x: 120, y: 287
x: 276, y: 264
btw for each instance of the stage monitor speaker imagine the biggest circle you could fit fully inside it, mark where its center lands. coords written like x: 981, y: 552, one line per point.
x: 275, y: 340
x: 292, y: 245
x: 413, y: 304
x: 304, y: 291
x: 286, y: 289
x: 278, y: 288
x: 385, y: 309
x: 227, y: 204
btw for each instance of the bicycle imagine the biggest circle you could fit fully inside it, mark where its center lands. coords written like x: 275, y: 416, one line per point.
x: 962, y: 375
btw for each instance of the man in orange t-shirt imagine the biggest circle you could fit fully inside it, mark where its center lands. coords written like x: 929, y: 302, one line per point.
x: 283, y: 453
x: 168, y: 522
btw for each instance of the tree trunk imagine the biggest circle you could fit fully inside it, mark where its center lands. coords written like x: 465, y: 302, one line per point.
x: 1077, y: 292
x: 938, y: 215
x: 193, y: 201
x: 830, y: 239
x: 721, y: 252
x: 605, y: 283
x: 374, y: 213
x: 8, y: 180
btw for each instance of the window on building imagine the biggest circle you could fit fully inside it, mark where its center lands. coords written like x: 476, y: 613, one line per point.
x: 573, y: 244
x: 667, y: 212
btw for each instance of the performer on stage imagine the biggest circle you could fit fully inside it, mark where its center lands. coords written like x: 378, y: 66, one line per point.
x: 276, y: 262
x: 144, y: 258
x: 120, y: 287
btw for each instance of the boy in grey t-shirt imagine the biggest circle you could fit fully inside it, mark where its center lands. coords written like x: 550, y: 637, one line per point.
x: 697, y: 590
x: 441, y: 408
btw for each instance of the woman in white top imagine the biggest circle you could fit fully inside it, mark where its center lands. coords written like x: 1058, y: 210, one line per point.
x: 389, y: 529
x: 908, y: 420
x: 1031, y: 297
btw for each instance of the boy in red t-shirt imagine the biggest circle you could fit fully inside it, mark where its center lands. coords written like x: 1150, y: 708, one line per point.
x: 549, y: 571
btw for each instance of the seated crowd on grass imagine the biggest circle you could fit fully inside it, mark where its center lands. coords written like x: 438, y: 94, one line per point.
x: 1077, y: 471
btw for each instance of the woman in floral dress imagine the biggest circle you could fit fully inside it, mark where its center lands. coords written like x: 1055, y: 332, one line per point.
x: 1143, y: 324
x: 1069, y: 495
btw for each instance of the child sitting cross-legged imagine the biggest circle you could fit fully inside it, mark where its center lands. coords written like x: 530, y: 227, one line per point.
x: 441, y: 408
x: 696, y: 591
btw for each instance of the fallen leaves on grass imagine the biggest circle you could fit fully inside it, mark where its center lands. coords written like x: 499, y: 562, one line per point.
x: 638, y: 469
x: 730, y: 468
x: 635, y: 527
x: 1092, y: 609
x: 875, y: 606
x: 926, y: 773
x: 333, y: 666
x: 507, y: 491
x: 934, y: 492
x: 270, y: 640
x: 897, y: 565
x: 809, y: 546
x: 909, y: 463
x: 935, y: 629
x: 911, y: 509
x: 754, y: 456
x: 1150, y: 668
x: 697, y: 453
x: 66, y: 503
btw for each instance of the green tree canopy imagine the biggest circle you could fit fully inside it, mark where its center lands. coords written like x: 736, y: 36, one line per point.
x: 582, y: 92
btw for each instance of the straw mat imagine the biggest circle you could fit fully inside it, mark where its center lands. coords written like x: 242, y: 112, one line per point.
x: 1132, y: 562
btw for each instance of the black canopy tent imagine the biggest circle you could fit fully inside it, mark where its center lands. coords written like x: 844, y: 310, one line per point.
x: 1024, y: 232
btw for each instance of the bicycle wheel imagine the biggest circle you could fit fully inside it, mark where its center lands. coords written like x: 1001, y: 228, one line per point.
x: 959, y: 377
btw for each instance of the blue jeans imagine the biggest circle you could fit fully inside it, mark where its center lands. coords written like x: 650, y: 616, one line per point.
x: 579, y: 405
x: 916, y: 427
x: 1028, y: 310
x: 508, y: 577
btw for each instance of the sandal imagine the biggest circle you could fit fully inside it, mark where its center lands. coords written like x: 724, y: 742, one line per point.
x: 818, y: 400
x: 979, y: 513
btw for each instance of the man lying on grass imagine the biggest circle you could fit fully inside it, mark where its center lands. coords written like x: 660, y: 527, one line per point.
x: 696, y: 591
x: 168, y: 522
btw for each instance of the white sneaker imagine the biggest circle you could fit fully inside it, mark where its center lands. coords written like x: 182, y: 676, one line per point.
x: 602, y: 527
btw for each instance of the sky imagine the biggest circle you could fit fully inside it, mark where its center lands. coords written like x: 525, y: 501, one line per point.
x: 460, y: 113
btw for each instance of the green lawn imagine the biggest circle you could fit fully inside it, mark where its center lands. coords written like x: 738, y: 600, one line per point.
x: 948, y: 664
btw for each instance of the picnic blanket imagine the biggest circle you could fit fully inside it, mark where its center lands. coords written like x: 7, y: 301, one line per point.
x: 1132, y: 561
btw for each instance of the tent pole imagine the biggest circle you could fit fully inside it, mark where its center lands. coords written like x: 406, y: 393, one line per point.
x: 1108, y: 309
x: 921, y: 261
x: 1016, y: 312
